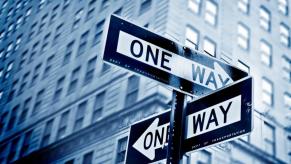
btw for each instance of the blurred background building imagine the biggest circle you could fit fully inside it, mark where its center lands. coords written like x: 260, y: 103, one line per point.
x: 61, y: 104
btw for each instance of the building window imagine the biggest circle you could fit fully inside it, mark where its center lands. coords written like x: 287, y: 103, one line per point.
x: 74, y: 80
x: 10, y: 29
x: 98, y: 32
x: 27, y: 14
x: 104, y: 4
x: 145, y: 6
x: 266, y: 53
x: 18, y: 5
x: 33, y: 51
x: 45, y: 42
x: 192, y: 37
x: 9, y: 50
x: 88, y: 157
x: 283, y: 6
x: 287, y: 100
x: 98, y: 106
x: 209, y: 47
x: 244, y: 6
x: 8, y: 70
x: 91, y: 9
x: 23, y: 83
x: 18, y: 22
x: 90, y: 14
x: 47, y: 133
x: 63, y: 125
x: 4, y: 119
x: 26, y: 143
x: 13, y: 150
x: 121, y: 150
x: 243, y: 66
x: 25, y: 110
x: 265, y: 18
x: 35, y: 74
x: 32, y: 31
x: 77, y: 19
x: 38, y: 102
x: 48, y: 67
x: 243, y: 36
x: 59, y: 89
x: 194, y: 6
x: 42, y: 23
x: 269, y: 138
x: 13, y: 90
x: 286, y: 63
x: 83, y: 43
x: 9, y: 15
x: 13, y: 117
x: 284, y: 34
x: 23, y: 59
x: 54, y: 14
x: 2, y: 34
x: 132, y: 90
x: 65, y: 6
x: 268, y: 91
x: 80, y: 114
x: 68, y: 53
x: 211, y: 12
x: 90, y: 71
x: 58, y: 33
x: 41, y: 4
x: 17, y: 43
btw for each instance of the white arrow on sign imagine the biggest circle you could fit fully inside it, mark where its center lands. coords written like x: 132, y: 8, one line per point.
x: 155, y: 56
x: 153, y: 138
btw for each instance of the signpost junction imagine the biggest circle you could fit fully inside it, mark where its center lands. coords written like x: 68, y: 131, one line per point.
x: 222, y: 111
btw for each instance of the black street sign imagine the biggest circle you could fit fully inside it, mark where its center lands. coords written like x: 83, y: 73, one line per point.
x: 146, y: 53
x: 219, y: 117
x: 148, y: 140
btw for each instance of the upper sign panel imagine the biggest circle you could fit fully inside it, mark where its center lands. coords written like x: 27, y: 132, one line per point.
x: 146, y: 53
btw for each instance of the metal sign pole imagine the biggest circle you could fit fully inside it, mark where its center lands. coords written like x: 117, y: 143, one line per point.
x: 176, y: 127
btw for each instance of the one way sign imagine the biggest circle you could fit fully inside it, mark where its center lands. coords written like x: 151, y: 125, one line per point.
x: 219, y: 117
x: 148, y: 140
x: 146, y: 53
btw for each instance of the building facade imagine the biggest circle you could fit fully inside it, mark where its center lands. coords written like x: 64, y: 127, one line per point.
x: 60, y: 103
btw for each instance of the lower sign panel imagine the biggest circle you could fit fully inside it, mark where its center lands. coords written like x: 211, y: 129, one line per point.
x: 219, y: 117
x: 148, y: 140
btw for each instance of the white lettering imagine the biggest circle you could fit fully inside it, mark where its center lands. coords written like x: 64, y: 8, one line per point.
x: 214, y: 117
